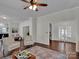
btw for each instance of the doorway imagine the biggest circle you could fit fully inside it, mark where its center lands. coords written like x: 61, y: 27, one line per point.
x: 26, y: 31
x: 50, y: 31
x: 50, y: 35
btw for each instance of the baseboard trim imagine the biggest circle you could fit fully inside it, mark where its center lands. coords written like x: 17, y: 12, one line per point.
x: 44, y: 45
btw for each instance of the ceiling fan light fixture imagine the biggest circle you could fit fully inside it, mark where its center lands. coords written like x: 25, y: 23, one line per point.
x: 34, y: 4
x: 34, y: 7
x: 30, y: 7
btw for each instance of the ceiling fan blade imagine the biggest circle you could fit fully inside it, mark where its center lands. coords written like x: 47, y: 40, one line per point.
x: 31, y: 1
x: 25, y: 1
x: 41, y: 4
x: 26, y: 7
x: 35, y: 0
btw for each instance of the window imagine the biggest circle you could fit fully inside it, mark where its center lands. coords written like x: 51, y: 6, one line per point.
x: 61, y: 33
x: 65, y: 32
x: 68, y: 32
x: 3, y: 28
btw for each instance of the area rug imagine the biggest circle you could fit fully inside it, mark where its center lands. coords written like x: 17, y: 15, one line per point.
x: 44, y: 53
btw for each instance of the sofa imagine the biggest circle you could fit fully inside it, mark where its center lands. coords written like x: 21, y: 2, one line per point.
x: 10, y: 44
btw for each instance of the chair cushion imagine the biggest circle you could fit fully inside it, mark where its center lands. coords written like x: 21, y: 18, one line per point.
x: 10, y: 43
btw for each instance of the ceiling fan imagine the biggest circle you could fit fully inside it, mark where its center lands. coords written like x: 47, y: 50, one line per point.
x: 34, y: 4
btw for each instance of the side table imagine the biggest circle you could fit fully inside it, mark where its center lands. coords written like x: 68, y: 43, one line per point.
x: 21, y: 40
x: 14, y: 56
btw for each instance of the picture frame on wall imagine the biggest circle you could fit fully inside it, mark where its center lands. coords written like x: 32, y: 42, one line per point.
x: 14, y: 30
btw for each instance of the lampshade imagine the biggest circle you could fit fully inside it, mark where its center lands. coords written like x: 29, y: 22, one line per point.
x: 33, y: 7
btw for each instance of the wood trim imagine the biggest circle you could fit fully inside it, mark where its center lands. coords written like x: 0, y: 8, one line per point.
x: 63, y: 41
x: 42, y: 45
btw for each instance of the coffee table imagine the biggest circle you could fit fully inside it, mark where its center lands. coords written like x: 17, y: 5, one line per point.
x: 15, y: 57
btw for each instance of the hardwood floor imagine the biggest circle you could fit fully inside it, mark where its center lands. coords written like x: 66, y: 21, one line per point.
x: 69, y: 48
x: 66, y: 47
x: 62, y: 46
x: 77, y: 55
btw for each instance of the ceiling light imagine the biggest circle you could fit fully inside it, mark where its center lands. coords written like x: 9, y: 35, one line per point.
x: 4, y: 17
x: 34, y: 7
x: 30, y: 7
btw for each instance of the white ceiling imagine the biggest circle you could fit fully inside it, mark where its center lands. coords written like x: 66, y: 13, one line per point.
x: 13, y: 9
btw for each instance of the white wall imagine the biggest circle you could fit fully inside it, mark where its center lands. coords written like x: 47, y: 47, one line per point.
x: 25, y: 23
x: 34, y: 28
x: 65, y: 24
x: 43, y: 30
x: 32, y: 23
x: 10, y: 25
x: 63, y: 18
x: 39, y: 27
